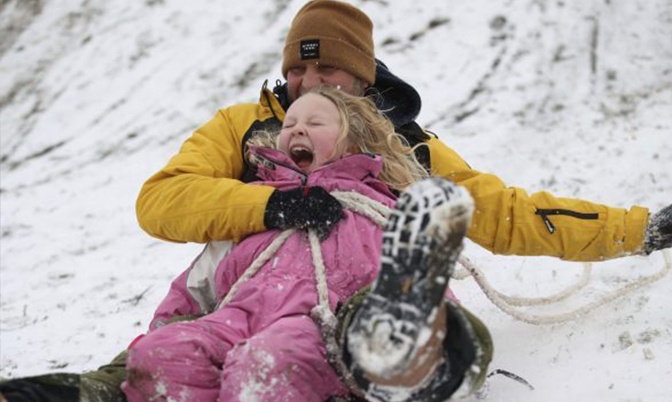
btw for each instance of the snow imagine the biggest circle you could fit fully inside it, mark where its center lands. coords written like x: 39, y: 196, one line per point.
x: 567, y: 96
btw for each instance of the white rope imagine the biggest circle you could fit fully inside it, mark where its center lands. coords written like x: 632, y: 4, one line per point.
x: 363, y: 205
x: 378, y: 213
x: 351, y: 200
x: 470, y: 269
x: 360, y: 204
x: 357, y: 203
x: 320, y: 270
x: 256, y: 265
x: 501, y: 301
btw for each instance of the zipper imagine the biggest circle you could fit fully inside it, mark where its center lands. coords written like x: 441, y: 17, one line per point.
x: 544, y: 213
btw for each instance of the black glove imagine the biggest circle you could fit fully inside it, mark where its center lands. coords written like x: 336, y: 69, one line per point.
x: 659, y: 232
x: 303, y: 208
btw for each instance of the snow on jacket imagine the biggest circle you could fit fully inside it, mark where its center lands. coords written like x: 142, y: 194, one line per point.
x: 286, y: 284
x: 199, y: 196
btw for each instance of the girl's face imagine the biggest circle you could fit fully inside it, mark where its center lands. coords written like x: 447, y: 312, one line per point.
x: 310, y: 131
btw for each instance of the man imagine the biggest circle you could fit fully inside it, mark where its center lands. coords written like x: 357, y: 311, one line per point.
x: 202, y: 195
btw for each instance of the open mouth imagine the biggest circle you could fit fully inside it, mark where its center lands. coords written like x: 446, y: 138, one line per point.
x: 303, y: 157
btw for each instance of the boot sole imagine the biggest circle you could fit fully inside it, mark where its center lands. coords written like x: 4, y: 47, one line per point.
x: 421, y: 243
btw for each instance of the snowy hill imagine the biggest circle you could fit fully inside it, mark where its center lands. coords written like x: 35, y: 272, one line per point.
x: 573, y: 97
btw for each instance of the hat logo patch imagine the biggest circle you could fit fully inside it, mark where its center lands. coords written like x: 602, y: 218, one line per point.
x: 310, y: 49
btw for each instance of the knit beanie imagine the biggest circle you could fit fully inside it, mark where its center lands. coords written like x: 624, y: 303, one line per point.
x: 332, y: 33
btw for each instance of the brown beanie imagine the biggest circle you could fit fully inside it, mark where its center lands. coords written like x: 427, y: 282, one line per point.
x: 332, y: 33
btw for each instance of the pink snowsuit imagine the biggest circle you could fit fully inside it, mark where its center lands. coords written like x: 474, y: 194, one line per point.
x: 263, y: 345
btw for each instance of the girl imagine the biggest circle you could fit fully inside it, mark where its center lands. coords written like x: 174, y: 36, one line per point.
x: 260, y: 342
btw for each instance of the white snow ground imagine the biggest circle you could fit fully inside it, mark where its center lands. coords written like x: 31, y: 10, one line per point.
x: 574, y: 97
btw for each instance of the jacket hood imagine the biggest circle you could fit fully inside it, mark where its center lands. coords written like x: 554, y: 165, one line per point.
x: 398, y: 100
x: 274, y: 165
x: 356, y: 172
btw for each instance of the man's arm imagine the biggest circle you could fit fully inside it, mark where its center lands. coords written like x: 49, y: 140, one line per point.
x: 507, y: 220
x: 197, y: 196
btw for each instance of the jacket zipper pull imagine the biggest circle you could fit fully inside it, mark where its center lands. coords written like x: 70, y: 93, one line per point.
x: 304, y: 185
x: 547, y: 222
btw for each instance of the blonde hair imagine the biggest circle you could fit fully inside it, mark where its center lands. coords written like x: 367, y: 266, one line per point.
x: 368, y: 131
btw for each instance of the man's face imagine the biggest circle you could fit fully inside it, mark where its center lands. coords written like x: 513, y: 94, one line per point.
x: 302, y: 79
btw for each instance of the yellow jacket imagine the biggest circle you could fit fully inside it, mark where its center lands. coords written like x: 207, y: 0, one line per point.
x: 198, y: 196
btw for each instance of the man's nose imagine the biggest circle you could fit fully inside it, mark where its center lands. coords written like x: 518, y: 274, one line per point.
x: 311, y: 78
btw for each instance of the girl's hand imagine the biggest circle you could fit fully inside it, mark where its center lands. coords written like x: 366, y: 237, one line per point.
x: 303, y: 208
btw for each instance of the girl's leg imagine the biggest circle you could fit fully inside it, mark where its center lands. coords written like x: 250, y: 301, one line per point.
x: 183, y: 361
x: 285, y: 362
x: 403, y: 334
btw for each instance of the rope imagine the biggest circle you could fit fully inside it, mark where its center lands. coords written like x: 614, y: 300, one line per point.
x: 378, y: 212
x: 351, y: 200
x: 363, y: 205
x: 506, y: 303
x: 320, y: 270
x: 256, y: 265
x: 470, y: 269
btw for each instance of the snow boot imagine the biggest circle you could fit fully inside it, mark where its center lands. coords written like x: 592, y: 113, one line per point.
x: 45, y: 388
x: 102, y: 385
x: 420, y: 246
